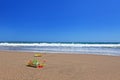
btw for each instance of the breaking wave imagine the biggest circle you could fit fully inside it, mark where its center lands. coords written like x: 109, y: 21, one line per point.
x: 79, y: 48
x: 60, y: 44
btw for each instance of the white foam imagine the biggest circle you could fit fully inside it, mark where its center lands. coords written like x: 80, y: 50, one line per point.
x: 60, y: 44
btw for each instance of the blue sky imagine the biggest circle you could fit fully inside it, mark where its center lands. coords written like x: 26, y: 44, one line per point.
x: 60, y: 20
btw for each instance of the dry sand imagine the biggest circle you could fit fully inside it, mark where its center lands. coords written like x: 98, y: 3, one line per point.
x: 59, y: 67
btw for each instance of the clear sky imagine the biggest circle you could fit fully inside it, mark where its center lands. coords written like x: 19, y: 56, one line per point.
x: 60, y: 20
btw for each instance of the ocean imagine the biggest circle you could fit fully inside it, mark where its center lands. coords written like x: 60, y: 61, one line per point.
x: 98, y: 48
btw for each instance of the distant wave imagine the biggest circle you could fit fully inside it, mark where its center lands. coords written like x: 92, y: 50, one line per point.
x: 61, y: 45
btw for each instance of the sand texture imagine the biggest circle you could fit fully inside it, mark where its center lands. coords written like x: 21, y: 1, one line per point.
x: 59, y: 67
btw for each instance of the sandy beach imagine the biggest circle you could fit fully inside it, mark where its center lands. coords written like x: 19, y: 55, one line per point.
x: 59, y: 67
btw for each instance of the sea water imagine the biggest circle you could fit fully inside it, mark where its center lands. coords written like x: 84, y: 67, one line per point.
x: 99, y: 48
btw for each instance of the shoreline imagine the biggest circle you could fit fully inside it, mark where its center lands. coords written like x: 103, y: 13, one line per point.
x: 59, y: 67
x: 74, y: 53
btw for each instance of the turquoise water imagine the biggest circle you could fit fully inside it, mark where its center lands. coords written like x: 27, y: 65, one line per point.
x: 99, y: 48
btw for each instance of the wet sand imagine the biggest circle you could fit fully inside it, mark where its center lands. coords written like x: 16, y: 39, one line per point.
x: 59, y: 67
